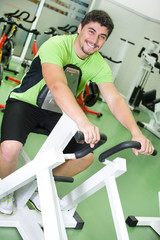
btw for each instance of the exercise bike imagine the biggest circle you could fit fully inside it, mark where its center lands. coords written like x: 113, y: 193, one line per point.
x: 61, y: 214
x: 6, y: 41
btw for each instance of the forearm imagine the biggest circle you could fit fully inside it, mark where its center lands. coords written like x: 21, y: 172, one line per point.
x: 69, y: 105
x: 124, y: 115
x: 121, y: 111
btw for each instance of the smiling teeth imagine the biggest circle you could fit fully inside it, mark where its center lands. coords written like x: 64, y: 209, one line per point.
x: 92, y: 46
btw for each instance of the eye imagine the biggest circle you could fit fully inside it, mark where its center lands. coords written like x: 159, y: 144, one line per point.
x: 102, y: 37
x: 91, y: 31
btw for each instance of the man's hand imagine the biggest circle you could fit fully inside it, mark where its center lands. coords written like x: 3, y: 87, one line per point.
x: 146, y: 146
x: 90, y: 131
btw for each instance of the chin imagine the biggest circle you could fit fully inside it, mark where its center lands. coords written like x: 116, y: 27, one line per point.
x: 89, y: 53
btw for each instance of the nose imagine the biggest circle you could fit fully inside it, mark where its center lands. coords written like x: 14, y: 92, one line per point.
x: 95, y: 39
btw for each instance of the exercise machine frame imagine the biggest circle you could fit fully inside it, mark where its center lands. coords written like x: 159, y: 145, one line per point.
x: 61, y: 213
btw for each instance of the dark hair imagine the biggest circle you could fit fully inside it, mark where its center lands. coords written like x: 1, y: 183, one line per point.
x: 99, y: 16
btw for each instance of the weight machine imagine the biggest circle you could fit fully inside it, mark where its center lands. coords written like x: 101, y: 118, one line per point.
x: 147, y: 99
x: 149, y: 62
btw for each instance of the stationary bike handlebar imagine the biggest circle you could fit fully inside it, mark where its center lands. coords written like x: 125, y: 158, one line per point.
x: 110, y: 59
x: 67, y: 29
x: 34, y: 31
x: 52, y: 31
x: 157, y: 65
x: 120, y: 147
x: 85, y: 148
x: 19, y: 15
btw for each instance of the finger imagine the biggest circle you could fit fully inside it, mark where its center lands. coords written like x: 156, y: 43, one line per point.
x: 92, y: 145
x: 92, y: 135
x: 95, y: 135
x: 86, y: 137
x: 135, y: 151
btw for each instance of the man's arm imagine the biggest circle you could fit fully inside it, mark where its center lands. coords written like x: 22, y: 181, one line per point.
x: 57, y: 83
x: 121, y: 111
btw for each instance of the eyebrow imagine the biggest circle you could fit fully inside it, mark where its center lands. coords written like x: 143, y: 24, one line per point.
x: 103, y: 34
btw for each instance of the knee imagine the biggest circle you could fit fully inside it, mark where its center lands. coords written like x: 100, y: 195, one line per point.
x: 89, y: 159
x: 8, y: 151
x: 86, y: 161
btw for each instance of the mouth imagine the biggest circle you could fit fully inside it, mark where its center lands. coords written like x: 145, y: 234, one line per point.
x: 92, y: 46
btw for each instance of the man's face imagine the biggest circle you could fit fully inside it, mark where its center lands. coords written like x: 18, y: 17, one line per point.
x: 90, y: 39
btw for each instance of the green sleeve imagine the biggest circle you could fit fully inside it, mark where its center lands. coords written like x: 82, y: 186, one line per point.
x: 51, y: 52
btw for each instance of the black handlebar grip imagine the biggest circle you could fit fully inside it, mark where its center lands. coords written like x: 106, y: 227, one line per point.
x: 120, y: 147
x: 84, y: 148
x: 79, y: 137
x: 8, y: 15
x: 52, y: 31
x: 157, y: 65
x: 68, y: 27
x: 30, y: 21
x: 2, y: 19
x: 34, y: 31
x: 154, y: 152
x: 63, y: 179
x: 22, y: 13
x: 19, y: 14
x: 64, y: 27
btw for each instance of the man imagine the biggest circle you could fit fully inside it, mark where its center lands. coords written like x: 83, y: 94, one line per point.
x: 25, y: 113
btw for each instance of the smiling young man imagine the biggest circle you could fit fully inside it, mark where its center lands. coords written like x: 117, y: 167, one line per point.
x: 90, y: 39
x: 24, y: 105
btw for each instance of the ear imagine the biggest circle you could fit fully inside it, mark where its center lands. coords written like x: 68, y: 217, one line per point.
x: 79, y: 28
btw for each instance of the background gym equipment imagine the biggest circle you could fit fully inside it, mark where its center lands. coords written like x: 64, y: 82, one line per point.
x: 152, y: 103
x: 149, y: 58
x: 89, y: 97
x: 147, y: 99
x: 6, y: 41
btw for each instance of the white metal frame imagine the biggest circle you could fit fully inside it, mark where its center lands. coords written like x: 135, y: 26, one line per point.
x: 49, y: 157
x: 106, y: 177
x: 59, y: 214
x: 153, y: 222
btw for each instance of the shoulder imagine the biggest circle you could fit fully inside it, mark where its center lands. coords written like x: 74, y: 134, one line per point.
x: 99, y: 69
x: 99, y: 63
x: 56, y: 50
x: 59, y: 40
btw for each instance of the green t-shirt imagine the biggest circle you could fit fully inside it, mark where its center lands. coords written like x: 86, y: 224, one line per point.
x: 59, y: 50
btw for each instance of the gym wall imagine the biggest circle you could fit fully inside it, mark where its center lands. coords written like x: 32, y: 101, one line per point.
x: 132, y: 26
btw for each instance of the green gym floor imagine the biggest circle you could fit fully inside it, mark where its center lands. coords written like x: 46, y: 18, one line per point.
x: 138, y: 187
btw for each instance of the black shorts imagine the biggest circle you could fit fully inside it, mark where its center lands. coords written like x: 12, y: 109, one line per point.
x: 21, y: 118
